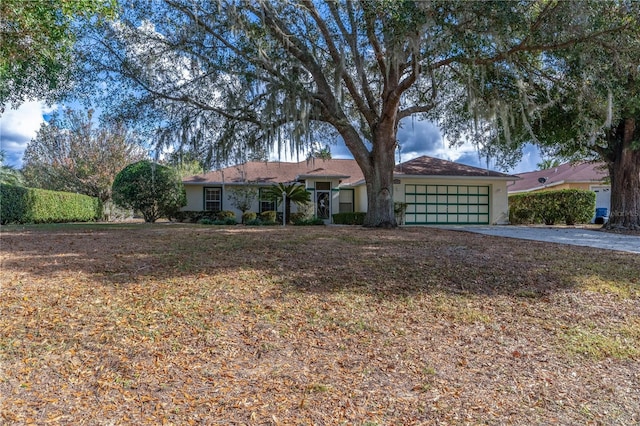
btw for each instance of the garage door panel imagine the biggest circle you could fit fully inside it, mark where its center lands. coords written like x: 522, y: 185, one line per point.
x: 447, y: 204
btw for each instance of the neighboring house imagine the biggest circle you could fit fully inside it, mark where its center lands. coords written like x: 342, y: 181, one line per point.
x: 586, y: 175
x: 435, y: 191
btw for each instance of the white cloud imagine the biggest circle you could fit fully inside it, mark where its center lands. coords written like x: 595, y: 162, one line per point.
x: 18, y: 127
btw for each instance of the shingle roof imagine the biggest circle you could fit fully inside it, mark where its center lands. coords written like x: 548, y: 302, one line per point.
x: 430, y: 166
x: 345, y: 169
x: 276, y: 172
x: 565, y: 173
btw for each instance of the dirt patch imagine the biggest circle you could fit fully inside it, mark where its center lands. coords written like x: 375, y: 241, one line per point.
x: 188, y: 324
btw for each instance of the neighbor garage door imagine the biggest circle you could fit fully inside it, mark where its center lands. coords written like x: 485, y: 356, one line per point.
x: 446, y: 204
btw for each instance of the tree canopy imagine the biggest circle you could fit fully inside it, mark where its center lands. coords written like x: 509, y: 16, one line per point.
x: 236, y: 76
x: 589, y: 109
x: 36, y: 53
x: 70, y: 153
x: 151, y: 188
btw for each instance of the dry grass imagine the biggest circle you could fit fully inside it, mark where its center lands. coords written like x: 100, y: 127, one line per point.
x: 187, y: 324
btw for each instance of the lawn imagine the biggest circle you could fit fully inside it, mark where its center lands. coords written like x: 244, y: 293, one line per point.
x: 190, y: 324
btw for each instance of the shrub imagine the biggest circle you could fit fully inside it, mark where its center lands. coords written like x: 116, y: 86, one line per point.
x: 298, y: 217
x: 549, y: 207
x: 248, y: 216
x: 353, y: 218
x: 225, y: 214
x: 207, y: 221
x: 194, y: 216
x: 31, y: 205
x: 153, y: 189
x: 307, y: 222
x: 268, y: 216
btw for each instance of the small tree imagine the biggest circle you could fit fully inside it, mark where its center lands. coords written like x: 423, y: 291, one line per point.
x: 294, y: 193
x: 74, y: 154
x: 153, y: 189
x: 242, y: 198
x: 9, y: 175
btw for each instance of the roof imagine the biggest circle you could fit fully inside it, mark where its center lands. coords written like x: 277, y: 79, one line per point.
x: 267, y: 172
x: 271, y: 172
x: 430, y: 166
x: 586, y: 172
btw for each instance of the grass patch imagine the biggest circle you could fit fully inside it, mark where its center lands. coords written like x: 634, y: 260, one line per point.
x: 624, y: 289
x: 622, y: 342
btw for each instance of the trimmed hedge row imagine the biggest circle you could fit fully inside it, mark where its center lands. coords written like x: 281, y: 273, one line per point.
x: 355, y: 218
x: 195, y: 216
x: 32, y: 205
x: 570, y: 206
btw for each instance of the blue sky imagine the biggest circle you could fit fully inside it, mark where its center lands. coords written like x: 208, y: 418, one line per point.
x: 19, y: 126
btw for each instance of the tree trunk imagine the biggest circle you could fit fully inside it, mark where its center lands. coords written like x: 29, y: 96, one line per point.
x: 379, y: 182
x: 287, y: 211
x: 624, y: 171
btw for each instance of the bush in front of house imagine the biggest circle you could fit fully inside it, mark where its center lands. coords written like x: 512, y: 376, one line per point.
x: 570, y: 206
x: 353, y: 218
x: 249, y: 216
x: 194, y: 216
x: 308, y: 221
x: 225, y: 214
x: 268, y: 216
x: 227, y: 221
x: 32, y: 205
x: 151, y: 188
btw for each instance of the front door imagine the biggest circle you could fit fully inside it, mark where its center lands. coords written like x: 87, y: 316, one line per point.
x: 323, y: 200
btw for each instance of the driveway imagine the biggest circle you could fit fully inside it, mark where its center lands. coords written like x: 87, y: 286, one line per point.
x: 573, y: 236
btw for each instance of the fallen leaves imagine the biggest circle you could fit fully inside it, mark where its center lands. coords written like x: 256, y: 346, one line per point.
x: 195, y: 325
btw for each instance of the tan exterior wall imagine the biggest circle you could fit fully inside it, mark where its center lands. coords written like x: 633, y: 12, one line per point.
x: 498, y: 209
x: 195, y: 195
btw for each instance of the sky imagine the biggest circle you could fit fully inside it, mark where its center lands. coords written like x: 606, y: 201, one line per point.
x: 19, y: 126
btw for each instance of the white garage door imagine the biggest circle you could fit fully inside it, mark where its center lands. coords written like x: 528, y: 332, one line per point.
x: 447, y: 204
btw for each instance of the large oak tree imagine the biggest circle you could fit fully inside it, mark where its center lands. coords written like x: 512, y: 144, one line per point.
x: 36, y: 45
x: 239, y: 75
x: 587, y: 107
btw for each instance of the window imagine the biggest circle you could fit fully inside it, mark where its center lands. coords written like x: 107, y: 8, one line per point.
x: 346, y: 200
x: 266, y: 205
x: 213, y: 199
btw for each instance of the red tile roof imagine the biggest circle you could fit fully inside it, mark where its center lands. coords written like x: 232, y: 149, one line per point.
x: 565, y: 173
x: 347, y: 170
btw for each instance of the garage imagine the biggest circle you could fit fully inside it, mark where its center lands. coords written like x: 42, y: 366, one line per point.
x: 447, y: 204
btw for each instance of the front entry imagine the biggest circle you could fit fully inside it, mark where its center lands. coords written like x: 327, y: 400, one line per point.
x: 323, y: 200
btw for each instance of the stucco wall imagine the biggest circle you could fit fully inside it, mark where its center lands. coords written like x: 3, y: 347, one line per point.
x: 498, y: 196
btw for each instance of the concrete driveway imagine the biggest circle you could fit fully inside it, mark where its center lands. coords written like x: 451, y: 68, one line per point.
x: 573, y: 236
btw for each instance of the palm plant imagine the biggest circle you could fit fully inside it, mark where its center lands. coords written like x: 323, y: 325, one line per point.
x: 293, y: 193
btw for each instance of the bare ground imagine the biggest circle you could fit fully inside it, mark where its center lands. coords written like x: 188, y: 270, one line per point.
x: 188, y: 324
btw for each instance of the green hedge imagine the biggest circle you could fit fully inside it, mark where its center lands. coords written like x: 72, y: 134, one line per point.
x: 195, y: 216
x: 355, y: 218
x: 32, y: 205
x: 569, y: 206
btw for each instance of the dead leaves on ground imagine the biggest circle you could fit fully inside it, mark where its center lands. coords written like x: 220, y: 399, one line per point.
x: 203, y: 325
